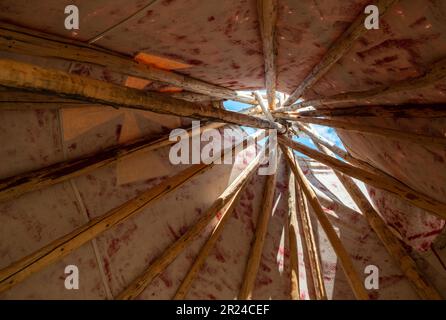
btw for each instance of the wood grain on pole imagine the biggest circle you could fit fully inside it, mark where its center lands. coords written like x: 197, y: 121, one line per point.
x: 337, y: 50
x: 25, y: 41
x: 191, y: 275
x: 292, y: 238
x: 317, y: 275
x: 351, y: 274
x: 255, y: 254
x: 138, y: 285
x: 262, y: 105
x: 29, y: 77
x: 267, y: 12
x: 382, y: 182
x: 17, y: 185
x: 338, y: 151
x: 412, y: 137
x: 394, y: 247
x: 59, y: 248
x: 434, y: 74
x: 381, y: 111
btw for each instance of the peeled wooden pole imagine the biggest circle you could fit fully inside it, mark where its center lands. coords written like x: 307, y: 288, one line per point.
x: 29, y: 77
x: 17, y: 185
x: 29, y: 42
x: 337, y: 51
x: 262, y: 105
x: 330, y: 145
x: 280, y: 127
x: 436, y: 73
x: 394, y: 247
x: 191, y: 275
x: 11, y: 99
x: 383, y: 182
x: 352, y: 276
x: 317, y: 275
x: 59, y: 248
x: 255, y: 254
x: 338, y: 151
x: 381, y: 111
x: 292, y: 238
x: 142, y: 281
x: 267, y: 12
x: 413, y: 137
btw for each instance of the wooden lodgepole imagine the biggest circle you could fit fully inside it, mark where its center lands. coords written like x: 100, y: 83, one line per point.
x: 266, y: 111
x: 29, y: 77
x: 191, y: 275
x: 59, y: 248
x: 267, y: 13
x: 383, y: 182
x: 262, y: 105
x: 138, y: 285
x: 336, y: 51
x: 292, y: 238
x: 29, y: 42
x: 317, y: 275
x: 413, y: 137
x: 255, y: 254
x: 340, y: 152
x: 352, y: 276
x: 381, y: 111
x: 394, y: 247
x: 434, y: 74
x: 15, y: 186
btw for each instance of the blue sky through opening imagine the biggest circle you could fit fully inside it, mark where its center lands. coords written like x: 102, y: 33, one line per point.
x: 326, y: 132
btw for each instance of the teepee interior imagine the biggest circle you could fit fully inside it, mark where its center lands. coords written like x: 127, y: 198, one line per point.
x: 351, y: 118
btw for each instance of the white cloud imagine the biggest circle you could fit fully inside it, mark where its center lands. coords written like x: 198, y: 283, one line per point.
x: 328, y: 133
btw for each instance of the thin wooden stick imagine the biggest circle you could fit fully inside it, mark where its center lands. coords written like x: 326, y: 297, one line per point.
x: 337, y: 51
x: 267, y: 12
x: 352, y: 276
x: 142, y: 281
x: 25, y: 41
x: 435, y: 73
x: 317, y: 275
x: 381, y: 111
x: 412, y: 137
x: 386, y: 183
x: 15, y: 186
x: 292, y: 238
x: 28, y: 77
x: 191, y: 275
x: 255, y: 255
x: 394, y: 247
x: 59, y: 248
x: 138, y: 13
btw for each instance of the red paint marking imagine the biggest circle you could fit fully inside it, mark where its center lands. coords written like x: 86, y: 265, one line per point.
x: 107, y: 269
x: 263, y: 281
x: 425, y: 234
x: 172, y: 232
x: 265, y: 267
x: 219, y: 255
x: 113, y: 247
x: 166, y: 280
